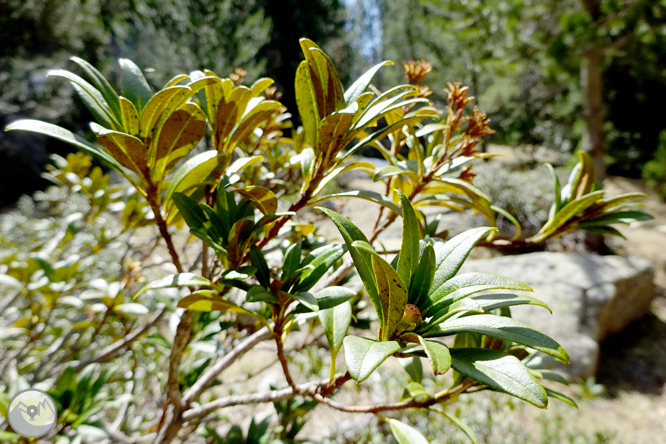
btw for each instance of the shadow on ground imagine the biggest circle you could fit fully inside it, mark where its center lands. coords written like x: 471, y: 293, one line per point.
x: 635, y: 359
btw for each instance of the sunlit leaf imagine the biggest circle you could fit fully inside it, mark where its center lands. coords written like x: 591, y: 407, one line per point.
x: 135, y: 86
x: 261, y: 197
x: 503, y: 328
x: 406, y: 434
x: 363, y: 355
x: 336, y: 321
x: 499, y: 371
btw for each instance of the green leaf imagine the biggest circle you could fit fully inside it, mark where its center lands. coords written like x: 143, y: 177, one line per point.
x: 135, y: 86
x: 351, y: 233
x: 192, y: 213
x: 422, y: 280
x: 159, y: 107
x: 557, y: 189
x: 91, y: 97
x: 484, y: 303
x: 565, y: 215
x: 336, y: 321
x: 335, y: 99
x: 257, y: 293
x: 562, y: 397
x: 307, y: 104
x: 307, y: 157
x: 413, y: 368
x: 549, y: 375
x: 47, y: 129
x: 392, y: 295
x: 292, y: 259
x: 361, y: 194
x: 242, y: 163
x: 415, y: 391
x: 363, y: 355
x: 503, y: 328
x: 492, y: 301
x: 262, y: 198
x: 259, y: 262
x: 129, y: 117
x: 193, y: 172
x: 511, y: 218
x: 177, y: 280
x: 620, y: 217
x: 450, y: 256
x: 409, y: 248
x: 467, y: 430
x: 604, y: 229
x: 361, y: 84
x: 128, y: 150
x: 330, y: 297
x: 260, y: 86
x: 405, y: 434
x: 499, y: 371
x: 334, y: 134
x: 461, y: 286
x: 102, y: 85
x: 306, y: 299
x: 323, y: 259
x: 377, y: 135
x: 365, y: 167
x: 180, y: 133
x: 439, y: 356
x: 389, y: 171
x: 208, y: 301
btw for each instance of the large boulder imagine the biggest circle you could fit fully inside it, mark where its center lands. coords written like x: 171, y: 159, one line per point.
x: 592, y: 298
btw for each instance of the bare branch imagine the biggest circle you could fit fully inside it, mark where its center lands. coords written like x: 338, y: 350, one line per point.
x: 9, y: 300
x: 209, y: 376
x: 442, y: 397
x: 339, y: 275
x: 110, y: 351
x: 324, y: 387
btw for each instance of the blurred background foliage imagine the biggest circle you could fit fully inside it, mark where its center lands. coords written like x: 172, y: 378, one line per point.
x: 523, y: 59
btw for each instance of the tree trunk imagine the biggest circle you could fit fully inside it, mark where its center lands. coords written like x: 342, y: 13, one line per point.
x: 591, y: 79
x: 594, y: 140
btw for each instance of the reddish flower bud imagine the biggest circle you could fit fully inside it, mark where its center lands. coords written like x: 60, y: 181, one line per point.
x: 412, y: 314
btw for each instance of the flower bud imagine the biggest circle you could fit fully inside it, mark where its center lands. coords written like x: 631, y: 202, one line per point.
x: 412, y: 314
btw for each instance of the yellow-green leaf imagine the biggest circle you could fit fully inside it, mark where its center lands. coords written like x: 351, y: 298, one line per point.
x: 392, y: 295
x: 260, y: 86
x: 157, y: 105
x: 306, y: 103
x: 260, y: 197
x: 209, y: 301
x: 129, y: 151
x: 130, y: 116
x: 184, y: 127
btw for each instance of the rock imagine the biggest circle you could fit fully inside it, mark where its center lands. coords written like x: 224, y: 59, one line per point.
x: 592, y: 298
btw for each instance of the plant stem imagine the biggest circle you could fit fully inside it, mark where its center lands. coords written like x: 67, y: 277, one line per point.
x: 332, y: 372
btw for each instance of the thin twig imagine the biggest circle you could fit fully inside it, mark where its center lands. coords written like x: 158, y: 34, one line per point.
x: 209, y: 376
x: 110, y: 351
x: 9, y: 300
x: 310, y: 389
x: 439, y: 398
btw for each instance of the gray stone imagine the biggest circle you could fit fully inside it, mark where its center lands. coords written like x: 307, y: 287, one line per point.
x: 592, y: 298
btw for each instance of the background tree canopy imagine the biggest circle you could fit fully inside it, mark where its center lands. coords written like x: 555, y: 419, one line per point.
x: 524, y: 60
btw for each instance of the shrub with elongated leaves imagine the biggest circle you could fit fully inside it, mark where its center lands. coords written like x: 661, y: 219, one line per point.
x: 224, y: 182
